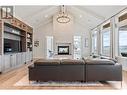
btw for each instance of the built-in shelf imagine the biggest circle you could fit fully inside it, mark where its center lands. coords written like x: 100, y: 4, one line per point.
x: 14, y: 34
x: 29, y: 41
x: 63, y: 44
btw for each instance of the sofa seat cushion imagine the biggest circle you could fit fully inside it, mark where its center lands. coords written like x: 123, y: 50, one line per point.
x: 99, y: 62
x: 46, y: 62
x: 71, y: 61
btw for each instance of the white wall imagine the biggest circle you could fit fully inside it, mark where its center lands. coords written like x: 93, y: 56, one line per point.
x: 80, y: 30
x: 62, y: 33
x: 40, y: 34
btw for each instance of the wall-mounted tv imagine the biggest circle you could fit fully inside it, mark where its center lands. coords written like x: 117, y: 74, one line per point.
x: 11, y: 46
x: 63, y: 50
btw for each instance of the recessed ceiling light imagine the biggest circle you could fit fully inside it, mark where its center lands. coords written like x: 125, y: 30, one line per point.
x: 37, y: 20
x: 46, y: 16
x: 80, y: 16
x: 89, y: 20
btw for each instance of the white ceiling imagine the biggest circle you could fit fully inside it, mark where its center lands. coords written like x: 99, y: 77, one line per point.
x: 87, y: 16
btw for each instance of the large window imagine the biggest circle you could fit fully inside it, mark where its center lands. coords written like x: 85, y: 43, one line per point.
x: 77, y: 47
x: 49, y: 47
x: 122, y: 40
x: 94, y: 42
x: 122, y: 43
x: 106, y: 42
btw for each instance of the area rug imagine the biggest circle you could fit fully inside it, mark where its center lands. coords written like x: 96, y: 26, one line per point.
x: 25, y: 82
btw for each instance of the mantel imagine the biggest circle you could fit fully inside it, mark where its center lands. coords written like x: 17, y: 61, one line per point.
x: 63, y: 56
x: 63, y: 43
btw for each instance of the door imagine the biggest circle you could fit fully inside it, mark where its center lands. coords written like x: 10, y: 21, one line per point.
x: 18, y: 58
x: 7, y: 62
x: 23, y: 57
x: 13, y: 60
x: 31, y: 56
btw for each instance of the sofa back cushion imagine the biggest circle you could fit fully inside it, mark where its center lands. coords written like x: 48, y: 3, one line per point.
x: 99, y: 62
x: 41, y: 62
x: 71, y: 61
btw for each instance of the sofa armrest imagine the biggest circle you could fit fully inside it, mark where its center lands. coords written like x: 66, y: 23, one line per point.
x: 31, y: 66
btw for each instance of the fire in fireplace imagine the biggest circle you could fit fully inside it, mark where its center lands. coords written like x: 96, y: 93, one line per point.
x: 63, y: 50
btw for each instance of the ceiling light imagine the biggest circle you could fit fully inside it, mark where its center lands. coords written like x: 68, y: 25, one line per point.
x: 62, y: 16
x: 88, y: 20
x: 80, y: 16
x: 46, y: 16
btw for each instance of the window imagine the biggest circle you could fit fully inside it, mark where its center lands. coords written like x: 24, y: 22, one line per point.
x: 77, y: 47
x: 122, y: 43
x: 49, y: 46
x: 94, y: 42
x: 106, y: 42
x: 122, y: 40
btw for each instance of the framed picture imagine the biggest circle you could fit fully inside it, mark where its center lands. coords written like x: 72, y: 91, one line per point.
x: 36, y: 43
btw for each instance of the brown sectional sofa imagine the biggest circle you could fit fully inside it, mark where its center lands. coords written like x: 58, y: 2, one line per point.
x: 103, y: 70
x: 72, y: 70
x: 44, y: 70
x: 75, y: 70
x: 57, y: 70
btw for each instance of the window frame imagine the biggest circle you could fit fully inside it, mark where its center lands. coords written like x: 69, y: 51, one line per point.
x: 78, y: 36
x: 119, y: 25
x: 95, y: 34
x: 51, y: 38
x: 104, y: 30
x: 119, y: 53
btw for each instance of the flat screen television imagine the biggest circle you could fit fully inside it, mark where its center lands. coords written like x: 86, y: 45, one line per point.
x: 63, y: 50
x: 11, y: 46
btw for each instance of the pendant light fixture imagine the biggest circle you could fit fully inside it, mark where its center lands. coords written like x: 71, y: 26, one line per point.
x: 62, y: 16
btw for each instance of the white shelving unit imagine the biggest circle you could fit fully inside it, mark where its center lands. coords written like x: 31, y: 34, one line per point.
x: 12, y: 57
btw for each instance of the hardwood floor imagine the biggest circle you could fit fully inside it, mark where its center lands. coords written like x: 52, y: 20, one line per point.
x: 7, y: 81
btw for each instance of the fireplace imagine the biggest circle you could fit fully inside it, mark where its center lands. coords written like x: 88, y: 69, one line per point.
x: 63, y: 50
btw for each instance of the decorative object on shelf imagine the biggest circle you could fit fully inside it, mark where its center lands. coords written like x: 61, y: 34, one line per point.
x: 6, y: 12
x: 36, y: 43
x: 62, y: 16
x: 29, y: 41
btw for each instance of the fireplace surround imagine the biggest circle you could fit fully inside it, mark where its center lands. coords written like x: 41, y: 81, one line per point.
x: 63, y: 50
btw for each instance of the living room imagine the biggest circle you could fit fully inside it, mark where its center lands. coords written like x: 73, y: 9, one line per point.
x: 63, y: 47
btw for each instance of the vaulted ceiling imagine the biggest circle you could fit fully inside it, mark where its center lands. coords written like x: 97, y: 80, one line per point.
x: 87, y: 16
